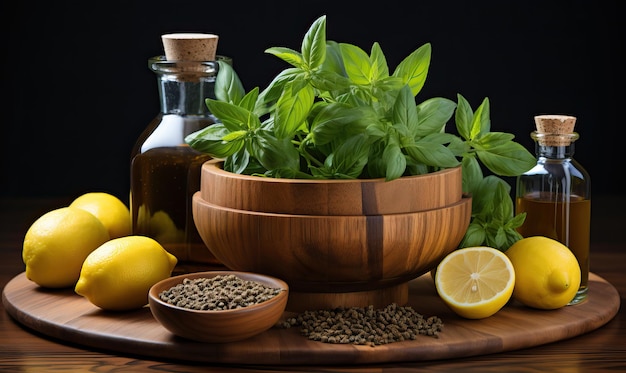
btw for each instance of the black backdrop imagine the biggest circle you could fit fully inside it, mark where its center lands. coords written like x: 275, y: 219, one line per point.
x: 79, y: 90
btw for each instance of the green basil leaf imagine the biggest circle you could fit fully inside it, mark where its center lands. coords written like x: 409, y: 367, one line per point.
x: 249, y: 101
x: 503, y: 206
x: 349, y: 158
x: 433, y: 114
x: 292, y: 109
x: 483, y: 200
x: 517, y: 221
x: 235, y: 136
x: 333, y: 62
x: 357, y: 64
x: 394, y: 161
x: 404, y: 111
x: 209, y: 140
x: 376, y: 167
x: 475, y: 235
x: 442, y: 138
x: 288, y: 55
x: 432, y: 154
x: 237, y: 162
x: 272, y: 152
x: 337, y: 120
x: 268, y: 97
x: 463, y: 117
x: 512, y: 236
x: 508, y: 159
x: 314, y: 44
x: 233, y: 117
x: 228, y: 87
x: 472, y: 175
x: 481, y: 123
x: 386, y: 88
x: 329, y: 81
x: 379, y: 69
x: 414, y: 68
x: 492, y: 140
x: 496, y: 237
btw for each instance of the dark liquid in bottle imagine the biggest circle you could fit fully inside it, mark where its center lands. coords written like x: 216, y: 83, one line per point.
x: 165, y: 173
x: 567, y: 223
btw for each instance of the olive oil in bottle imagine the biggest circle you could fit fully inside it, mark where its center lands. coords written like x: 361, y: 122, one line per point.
x: 165, y: 171
x: 556, y: 194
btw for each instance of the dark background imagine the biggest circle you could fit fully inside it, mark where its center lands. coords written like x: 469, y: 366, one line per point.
x: 77, y: 91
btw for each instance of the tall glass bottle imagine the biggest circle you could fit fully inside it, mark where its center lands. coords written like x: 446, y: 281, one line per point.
x: 556, y: 193
x: 165, y: 171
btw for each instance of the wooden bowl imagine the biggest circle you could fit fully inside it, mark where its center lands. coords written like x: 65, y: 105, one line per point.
x: 323, y: 257
x: 218, y: 326
x: 330, y: 197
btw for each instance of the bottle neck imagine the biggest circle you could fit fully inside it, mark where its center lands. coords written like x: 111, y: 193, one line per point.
x: 554, y: 152
x: 554, y: 146
x: 183, y: 86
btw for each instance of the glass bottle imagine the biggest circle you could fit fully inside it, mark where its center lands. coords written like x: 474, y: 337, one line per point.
x: 556, y: 194
x: 165, y: 171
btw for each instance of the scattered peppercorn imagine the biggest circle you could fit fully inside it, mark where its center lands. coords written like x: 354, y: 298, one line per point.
x: 222, y: 292
x: 364, y: 326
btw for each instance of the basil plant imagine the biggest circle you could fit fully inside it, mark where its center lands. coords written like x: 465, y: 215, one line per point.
x: 338, y: 112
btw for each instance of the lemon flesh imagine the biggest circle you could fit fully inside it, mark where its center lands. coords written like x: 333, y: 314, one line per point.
x: 475, y: 282
x: 118, y: 275
x: 548, y: 274
x: 111, y: 211
x: 57, y: 243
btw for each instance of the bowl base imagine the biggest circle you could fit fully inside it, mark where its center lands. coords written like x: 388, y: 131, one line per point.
x: 379, y: 298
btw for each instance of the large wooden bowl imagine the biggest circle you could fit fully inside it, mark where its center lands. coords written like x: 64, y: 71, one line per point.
x: 331, y: 261
x: 218, y: 326
x: 330, y: 197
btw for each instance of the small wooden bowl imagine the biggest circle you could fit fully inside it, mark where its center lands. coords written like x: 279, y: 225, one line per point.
x: 218, y: 326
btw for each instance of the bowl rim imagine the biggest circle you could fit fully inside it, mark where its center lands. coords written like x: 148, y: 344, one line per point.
x: 215, y: 166
x: 153, y: 293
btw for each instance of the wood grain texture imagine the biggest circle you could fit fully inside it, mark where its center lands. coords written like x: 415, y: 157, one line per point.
x: 62, y: 314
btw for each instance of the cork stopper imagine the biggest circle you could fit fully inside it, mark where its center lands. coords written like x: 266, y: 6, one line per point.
x: 190, y: 46
x: 555, y: 130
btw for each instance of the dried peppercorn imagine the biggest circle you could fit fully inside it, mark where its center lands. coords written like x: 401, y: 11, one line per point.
x: 365, y: 325
x: 222, y: 292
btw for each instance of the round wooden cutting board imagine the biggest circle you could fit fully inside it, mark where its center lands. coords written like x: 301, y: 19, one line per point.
x: 66, y: 316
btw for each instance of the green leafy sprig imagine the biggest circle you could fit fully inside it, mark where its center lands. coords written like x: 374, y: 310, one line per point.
x: 338, y: 112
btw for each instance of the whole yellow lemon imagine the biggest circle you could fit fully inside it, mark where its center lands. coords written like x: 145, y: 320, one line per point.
x: 118, y: 275
x: 547, y: 274
x: 57, y: 243
x: 111, y: 211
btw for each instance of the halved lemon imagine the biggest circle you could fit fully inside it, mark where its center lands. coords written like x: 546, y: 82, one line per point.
x: 475, y: 282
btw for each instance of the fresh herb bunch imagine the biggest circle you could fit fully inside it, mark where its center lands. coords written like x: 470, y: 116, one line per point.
x: 338, y: 113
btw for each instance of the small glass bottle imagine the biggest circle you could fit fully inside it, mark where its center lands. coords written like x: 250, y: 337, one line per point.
x: 165, y: 171
x: 556, y: 194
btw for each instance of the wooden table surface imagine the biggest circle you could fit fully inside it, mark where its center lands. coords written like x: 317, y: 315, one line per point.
x: 603, y: 349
